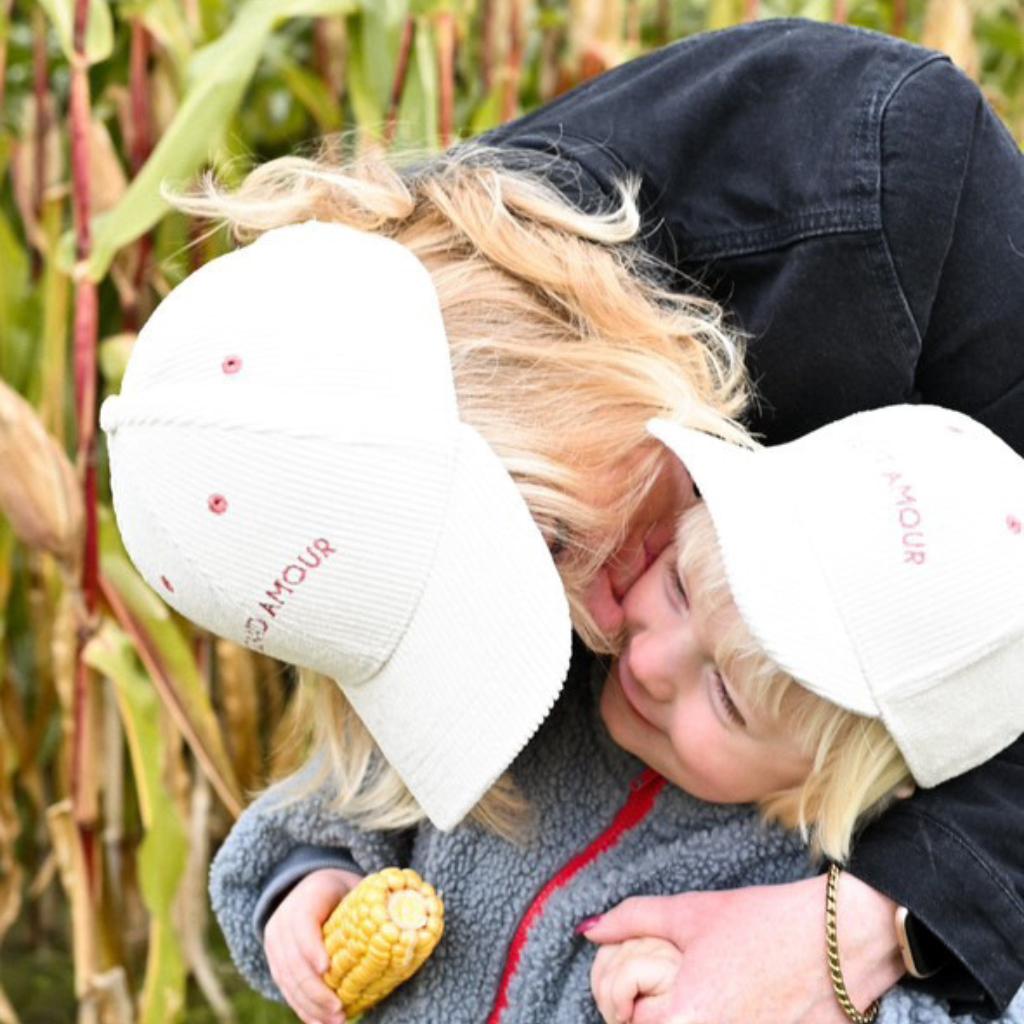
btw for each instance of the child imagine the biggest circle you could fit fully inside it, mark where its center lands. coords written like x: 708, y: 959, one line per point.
x: 408, y: 574
x: 884, y: 572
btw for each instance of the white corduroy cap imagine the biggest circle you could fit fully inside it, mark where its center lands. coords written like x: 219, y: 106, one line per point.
x: 880, y: 561
x: 290, y: 471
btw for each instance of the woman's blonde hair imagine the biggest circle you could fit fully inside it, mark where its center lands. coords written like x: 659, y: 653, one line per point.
x: 856, y: 768
x: 564, y: 341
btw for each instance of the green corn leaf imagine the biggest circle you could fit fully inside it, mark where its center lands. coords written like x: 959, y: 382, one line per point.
x: 367, y: 107
x: 14, y: 292
x: 487, y: 114
x: 165, y: 21
x: 114, y: 354
x: 312, y: 92
x: 168, y: 656
x: 381, y: 24
x: 50, y: 389
x: 163, y: 853
x: 217, y: 78
x: 818, y: 10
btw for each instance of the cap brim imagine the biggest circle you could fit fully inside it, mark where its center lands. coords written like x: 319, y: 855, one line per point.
x: 762, y: 540
x: 477, y: 670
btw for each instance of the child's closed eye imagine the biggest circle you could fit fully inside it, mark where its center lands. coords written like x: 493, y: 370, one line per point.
x: 676, y: 581
x: 728, y: 705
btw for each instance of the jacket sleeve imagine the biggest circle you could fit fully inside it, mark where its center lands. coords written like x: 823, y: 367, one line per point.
x: 954, y: 855
x: 904, y: 1005
x: 268, y: 839
x: 303, y: 860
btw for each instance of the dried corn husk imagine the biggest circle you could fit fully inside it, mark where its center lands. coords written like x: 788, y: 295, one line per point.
x: 39, y: 492
x: 239, y: 700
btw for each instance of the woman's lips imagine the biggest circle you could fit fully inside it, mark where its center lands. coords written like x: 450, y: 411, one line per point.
x: 630, y: 690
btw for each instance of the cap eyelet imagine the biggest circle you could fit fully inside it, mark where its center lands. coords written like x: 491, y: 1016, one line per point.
x: 1014, y: 524
x: 217, y: 504
x: 167, y: 584
x: 232, y: 364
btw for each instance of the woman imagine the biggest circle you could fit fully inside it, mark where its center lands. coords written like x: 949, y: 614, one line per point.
x: 857, y: 207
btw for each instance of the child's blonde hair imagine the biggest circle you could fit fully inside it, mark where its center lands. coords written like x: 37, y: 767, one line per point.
x: 857, y: 769
x: 564, y: 341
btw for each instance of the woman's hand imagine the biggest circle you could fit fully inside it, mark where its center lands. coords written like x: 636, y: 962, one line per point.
x: 294, y: 944
x: 757, y: 955
x: 633, y: 980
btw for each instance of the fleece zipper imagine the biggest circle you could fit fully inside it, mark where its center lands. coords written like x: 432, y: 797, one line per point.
x: 644, y: 791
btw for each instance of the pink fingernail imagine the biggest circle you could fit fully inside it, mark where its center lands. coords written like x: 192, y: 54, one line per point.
x: 584, y: 926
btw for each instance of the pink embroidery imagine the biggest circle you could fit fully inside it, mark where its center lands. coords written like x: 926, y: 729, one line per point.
x: 908, y: 516
x: 293, y: 575
x: 232, y: 364
x: 218, y: 504
x: 1014, y: 524
x: 167, y: 583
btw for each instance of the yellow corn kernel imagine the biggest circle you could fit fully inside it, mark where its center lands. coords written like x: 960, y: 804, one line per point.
x: 379, y: 935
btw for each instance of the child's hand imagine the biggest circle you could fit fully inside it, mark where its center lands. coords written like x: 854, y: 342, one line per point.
x: 631, y: 980
x: 294, y: 944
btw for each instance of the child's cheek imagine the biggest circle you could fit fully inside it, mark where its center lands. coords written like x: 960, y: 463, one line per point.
x: 619, y: 719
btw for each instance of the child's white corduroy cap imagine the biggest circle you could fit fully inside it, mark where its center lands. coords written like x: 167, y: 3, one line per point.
x: 880, y: 561
x: 290, y: 471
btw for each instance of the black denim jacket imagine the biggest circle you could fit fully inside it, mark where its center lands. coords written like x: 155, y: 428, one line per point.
x: 859, y: 210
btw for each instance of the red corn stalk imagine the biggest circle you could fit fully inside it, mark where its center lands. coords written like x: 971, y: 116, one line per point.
x: 751, y: 10
x: 86, y: 305
x: 513, y: 64
x: 664, y: 21
x: 41, y: 93
x: 445, y: 28
x: 898, y: 25
x: 321, y: 53
x: 141, y: 144
x: 487, y: 46
x: 401, y: 73
x: 840, y: 13
x: 5, y: 20
x: 85, y: 341
x: 139, y: 104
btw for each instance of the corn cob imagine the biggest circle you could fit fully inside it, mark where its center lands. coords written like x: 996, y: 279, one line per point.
x: 379, y: 935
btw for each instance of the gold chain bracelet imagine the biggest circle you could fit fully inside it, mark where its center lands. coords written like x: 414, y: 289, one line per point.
x: 832, y: 944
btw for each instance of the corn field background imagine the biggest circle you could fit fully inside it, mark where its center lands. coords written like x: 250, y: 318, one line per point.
x: 129, y: 740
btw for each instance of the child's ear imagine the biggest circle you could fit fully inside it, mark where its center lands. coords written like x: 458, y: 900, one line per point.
x: 905, y: 791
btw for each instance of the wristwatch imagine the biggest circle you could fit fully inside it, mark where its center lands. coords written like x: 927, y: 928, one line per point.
x: 923, y: 954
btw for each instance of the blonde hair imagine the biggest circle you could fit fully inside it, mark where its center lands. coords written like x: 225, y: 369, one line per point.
x: 856, y: 770
x: 564, y: 341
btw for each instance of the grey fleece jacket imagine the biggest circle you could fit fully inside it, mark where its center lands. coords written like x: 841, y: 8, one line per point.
x: 605, y: 829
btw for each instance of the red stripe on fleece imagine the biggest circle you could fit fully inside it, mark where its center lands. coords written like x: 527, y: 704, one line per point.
x: 645, y: 789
